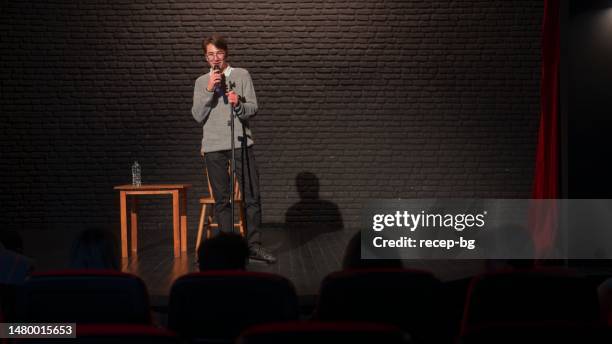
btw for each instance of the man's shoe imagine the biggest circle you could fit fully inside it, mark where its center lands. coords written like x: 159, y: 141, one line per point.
x: 259, y: 253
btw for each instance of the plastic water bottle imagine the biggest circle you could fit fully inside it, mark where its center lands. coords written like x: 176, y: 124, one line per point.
x: 136, y: 178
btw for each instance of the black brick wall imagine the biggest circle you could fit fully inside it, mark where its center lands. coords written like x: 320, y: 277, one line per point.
x: 377, y: 99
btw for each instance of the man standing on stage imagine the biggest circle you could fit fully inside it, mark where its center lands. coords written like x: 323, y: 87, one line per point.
x: 215, y: 93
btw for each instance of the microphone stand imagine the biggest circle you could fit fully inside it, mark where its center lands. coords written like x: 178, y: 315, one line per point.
x: 233, y: 164
x: 233, y: 147
x: 243, y: 154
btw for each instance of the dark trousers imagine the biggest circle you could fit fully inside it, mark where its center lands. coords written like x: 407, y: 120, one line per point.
x: 217, y: 165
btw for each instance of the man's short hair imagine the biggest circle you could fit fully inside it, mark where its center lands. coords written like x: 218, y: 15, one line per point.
x: 226, y: 251
x: 216, y: 40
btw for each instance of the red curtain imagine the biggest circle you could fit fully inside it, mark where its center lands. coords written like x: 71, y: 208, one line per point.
x: 546, y: 178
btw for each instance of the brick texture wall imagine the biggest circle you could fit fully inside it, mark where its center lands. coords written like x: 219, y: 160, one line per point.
x: 376, y: 99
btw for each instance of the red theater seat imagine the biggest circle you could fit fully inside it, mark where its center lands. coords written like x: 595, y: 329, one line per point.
x: 540, y: 296
x: 410, y: 299
x: 323, y: 332
x: 84, y: 296
x: 114, y: 333
x: 537, y: 332
x: 218, y: 305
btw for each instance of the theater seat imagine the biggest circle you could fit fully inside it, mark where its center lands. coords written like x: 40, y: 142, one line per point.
x: 539, y: 296
x: 84, y: 296
x: 536, y: 332
x: 409, y: 299
x: 218, y: 305
x: 113, y: 333
x: 308, y: 332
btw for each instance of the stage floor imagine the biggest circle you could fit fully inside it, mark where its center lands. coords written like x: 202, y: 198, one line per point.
x: 305, y: 256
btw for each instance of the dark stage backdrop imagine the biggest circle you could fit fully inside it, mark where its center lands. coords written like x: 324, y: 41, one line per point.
x: 371, y: 99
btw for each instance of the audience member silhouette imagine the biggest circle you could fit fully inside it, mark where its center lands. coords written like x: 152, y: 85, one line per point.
x: 226, y: 251
x: 11, y: 240
x: 14, y: 266
x: 95, y: 248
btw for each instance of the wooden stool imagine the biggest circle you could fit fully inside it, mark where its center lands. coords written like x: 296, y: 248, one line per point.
x: 207, y: 211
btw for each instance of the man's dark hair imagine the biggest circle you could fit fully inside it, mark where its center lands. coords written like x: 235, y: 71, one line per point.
x: 216, y: 40
x: 95, y: 248
x: 11, y: 240
x: 226, y: 251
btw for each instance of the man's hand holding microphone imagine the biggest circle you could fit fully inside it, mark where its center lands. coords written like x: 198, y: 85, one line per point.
x: 216, y: 85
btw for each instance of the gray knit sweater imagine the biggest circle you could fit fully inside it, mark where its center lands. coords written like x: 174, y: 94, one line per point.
x: 214, y: 114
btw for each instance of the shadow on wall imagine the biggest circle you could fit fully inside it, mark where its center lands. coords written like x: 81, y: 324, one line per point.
x: 312, y: 216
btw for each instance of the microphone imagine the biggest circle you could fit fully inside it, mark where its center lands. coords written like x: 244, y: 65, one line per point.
x: 219, y: 89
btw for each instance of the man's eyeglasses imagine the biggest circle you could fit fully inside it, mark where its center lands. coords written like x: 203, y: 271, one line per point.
x: 219, y: 54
